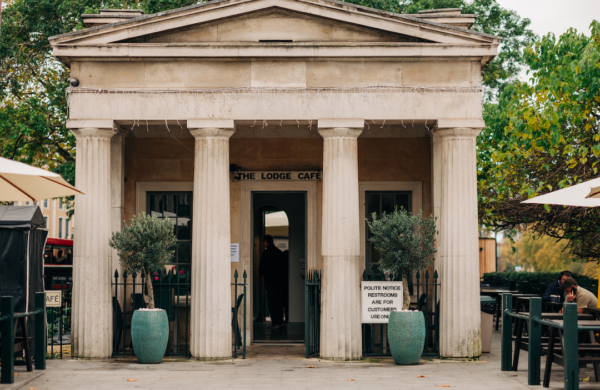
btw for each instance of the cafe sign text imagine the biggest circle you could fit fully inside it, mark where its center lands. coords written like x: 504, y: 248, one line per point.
x: 279, y: 175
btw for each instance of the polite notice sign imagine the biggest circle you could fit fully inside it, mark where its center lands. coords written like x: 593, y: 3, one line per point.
x: 379, y: 299
x: 279, y: 176
x: 54, y: 298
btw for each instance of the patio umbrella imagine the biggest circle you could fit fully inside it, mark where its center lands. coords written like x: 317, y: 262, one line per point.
x: 586, y: 194
x: 22, y: 182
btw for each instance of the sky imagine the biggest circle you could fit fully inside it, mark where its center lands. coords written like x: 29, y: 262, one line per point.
x: 556, y: 16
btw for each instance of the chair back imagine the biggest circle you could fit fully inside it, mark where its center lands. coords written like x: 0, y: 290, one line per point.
x: 138, y: 301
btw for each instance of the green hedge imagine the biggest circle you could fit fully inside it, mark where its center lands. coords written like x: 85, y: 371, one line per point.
x: 501, y: 279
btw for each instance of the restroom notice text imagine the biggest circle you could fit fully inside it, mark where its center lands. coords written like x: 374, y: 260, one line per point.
x: 379, y: 299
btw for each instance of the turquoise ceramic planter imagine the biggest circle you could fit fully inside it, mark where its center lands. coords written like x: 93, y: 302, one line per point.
x: 149, y: 335
x: 406, y: 335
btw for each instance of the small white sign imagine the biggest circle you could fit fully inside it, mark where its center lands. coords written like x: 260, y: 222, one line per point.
x: 379, y: 299
x: 235, y: 253
x: 54, y: 298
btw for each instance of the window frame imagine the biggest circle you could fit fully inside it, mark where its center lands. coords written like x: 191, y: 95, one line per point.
x: 148, y: 194
x: 416, y: 187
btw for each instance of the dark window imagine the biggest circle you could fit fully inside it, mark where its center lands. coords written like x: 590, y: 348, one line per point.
x: 176, y: 207
x: 58, y: 255
x: 378, y: 203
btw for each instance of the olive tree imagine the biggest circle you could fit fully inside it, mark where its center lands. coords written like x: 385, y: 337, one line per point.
x: 405, y: 242
x: 144, y: 245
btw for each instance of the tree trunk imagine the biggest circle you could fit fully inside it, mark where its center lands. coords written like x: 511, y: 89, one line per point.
x: 405, y: 294
x: 150, y: 290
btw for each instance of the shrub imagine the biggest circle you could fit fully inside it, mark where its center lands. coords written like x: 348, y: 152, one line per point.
x: 145, y: 245
x: 406, y: 243
x: 502, y: 278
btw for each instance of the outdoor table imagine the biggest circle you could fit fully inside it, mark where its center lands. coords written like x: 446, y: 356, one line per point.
x: 588, y: 326
x: 497, y: 293
x: 523, y: 344
x: 595, y: 312
x: 554, y: 306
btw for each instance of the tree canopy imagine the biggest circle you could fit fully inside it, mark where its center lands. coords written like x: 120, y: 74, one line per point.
x: 541, y: 136
x: 33, y: 105
x: 493, y: 19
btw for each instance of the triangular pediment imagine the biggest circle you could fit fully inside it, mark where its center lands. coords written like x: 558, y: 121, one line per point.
x: 273, y: 21
x: 273, y: 25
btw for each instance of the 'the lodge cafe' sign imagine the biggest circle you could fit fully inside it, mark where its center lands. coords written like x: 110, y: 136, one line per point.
x: 278, y: 176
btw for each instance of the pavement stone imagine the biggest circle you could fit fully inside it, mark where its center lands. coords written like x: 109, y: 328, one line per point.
x: 288, y: 370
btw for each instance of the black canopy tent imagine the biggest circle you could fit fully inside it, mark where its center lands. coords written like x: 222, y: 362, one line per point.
x: 23, y: 236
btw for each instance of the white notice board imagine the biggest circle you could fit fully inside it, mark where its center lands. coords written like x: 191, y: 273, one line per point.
x: 235, y: 253
x: 378, y: 299
x: 53, y: 298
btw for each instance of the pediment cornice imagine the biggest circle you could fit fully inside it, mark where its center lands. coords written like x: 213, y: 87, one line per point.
x: 355, y: 15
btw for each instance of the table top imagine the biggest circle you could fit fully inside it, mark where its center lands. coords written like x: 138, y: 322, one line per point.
x: 526, y: 296
x: 588, y: 323
x: 497, y: 291
x: 559, y: 316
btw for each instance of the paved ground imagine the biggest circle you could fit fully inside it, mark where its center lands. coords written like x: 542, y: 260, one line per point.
x: 285, y: 368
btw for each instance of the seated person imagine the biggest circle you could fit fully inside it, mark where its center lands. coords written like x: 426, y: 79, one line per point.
x: 585, y: 299
x: 555, y: 288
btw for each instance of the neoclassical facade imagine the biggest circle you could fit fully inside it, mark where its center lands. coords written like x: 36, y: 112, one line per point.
x: 186, y: 100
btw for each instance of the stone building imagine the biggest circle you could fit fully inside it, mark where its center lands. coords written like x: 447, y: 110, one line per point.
x: 357, y: 106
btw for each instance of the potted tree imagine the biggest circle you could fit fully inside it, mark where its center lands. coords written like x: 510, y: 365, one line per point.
x: 144, y: 246
x: 406, y: 244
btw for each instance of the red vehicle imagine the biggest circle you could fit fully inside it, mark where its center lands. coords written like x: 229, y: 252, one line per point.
x: 58, y: 264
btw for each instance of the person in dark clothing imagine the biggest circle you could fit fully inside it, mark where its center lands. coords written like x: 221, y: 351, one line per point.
x: 271, y: 267
x: 555, y: 288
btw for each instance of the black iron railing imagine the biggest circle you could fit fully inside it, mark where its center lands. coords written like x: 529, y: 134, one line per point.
x: 59, y: 323
x: 313, y: 312
x: 374, y: 336
x: 8, y: 318
x: 171, y: 293
x: 240, y: 301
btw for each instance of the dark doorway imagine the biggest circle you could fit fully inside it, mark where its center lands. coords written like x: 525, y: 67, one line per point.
x: 281, y: 215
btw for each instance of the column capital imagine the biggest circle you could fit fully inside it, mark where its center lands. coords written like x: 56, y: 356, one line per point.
x: 213, y: 128
x: 212, y: 132
x: 333, y: 123
x: 92, y: 132
x: 462, y: 132
x: 90, y: 124
x: 341, y: 128
x: 460, y: 123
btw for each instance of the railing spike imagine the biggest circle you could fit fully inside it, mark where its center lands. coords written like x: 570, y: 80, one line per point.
x: 435, y: 274
x: 426, y: 274
x: 245, y: 274
x: 235, y: 274
x: 116, y: 274
x: 124, y: 274
x: 134, y: 275
x: 418, y: 276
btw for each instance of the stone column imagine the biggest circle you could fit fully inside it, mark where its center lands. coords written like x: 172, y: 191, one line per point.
x: 92, y: 305
x: 341, y: 337
x: 211, y: 336
x: 458, y: 257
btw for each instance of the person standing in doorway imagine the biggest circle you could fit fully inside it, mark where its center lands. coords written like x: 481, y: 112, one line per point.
x: 271, y: 267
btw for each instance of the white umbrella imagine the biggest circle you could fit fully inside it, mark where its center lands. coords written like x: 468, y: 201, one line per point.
x: 586, y: 194
x: 22, y: 182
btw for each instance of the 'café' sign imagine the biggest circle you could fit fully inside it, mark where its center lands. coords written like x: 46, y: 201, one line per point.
x: 279, y: 175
